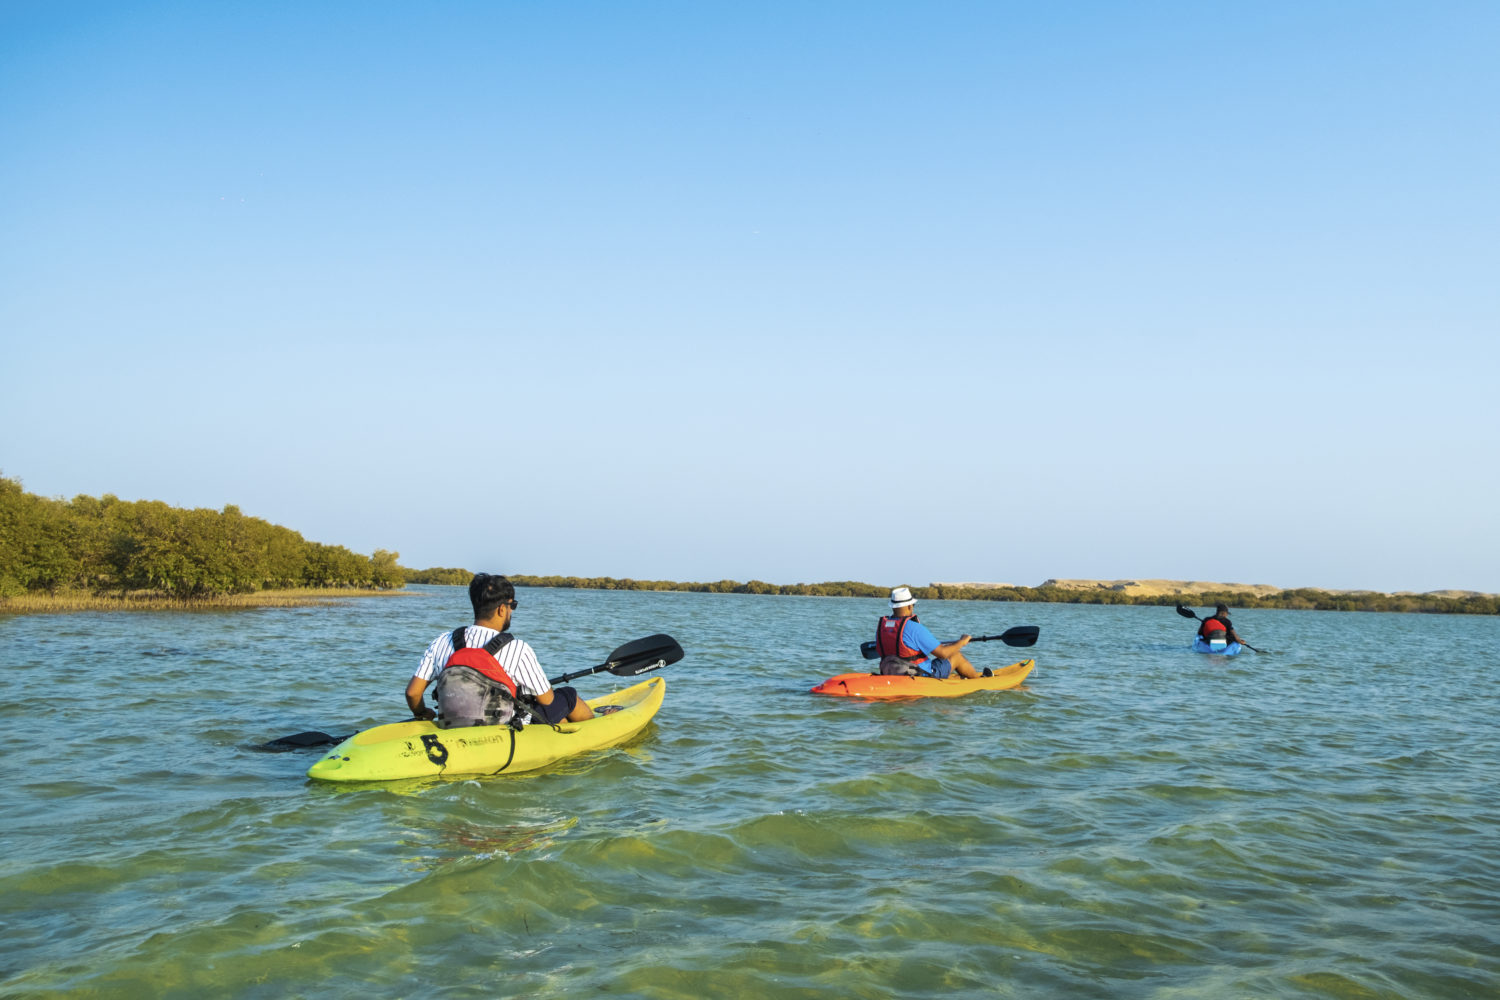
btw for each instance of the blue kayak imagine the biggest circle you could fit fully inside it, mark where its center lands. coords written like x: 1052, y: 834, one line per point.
x: 1220, y: 647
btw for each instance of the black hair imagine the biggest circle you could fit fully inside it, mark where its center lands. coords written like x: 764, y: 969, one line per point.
x: 487, y: 591
x: 1222, y: 609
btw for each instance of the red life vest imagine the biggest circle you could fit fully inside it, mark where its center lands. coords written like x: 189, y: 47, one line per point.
x: 481, y: 658
x: 1212, y: 628
x: 889, y: 639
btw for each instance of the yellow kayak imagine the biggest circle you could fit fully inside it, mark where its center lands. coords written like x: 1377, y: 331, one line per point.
x: 419, y: 749
x: 882, y: 686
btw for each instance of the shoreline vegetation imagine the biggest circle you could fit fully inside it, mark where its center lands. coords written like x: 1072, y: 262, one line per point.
x: 107, y: 554
x: 73, y: 601
x: 1074, y: 592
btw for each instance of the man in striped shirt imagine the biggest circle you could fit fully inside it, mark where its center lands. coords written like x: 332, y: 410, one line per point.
x: 494, y: 601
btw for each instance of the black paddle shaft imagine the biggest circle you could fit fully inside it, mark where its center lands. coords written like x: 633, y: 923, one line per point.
x: 1021, y: 635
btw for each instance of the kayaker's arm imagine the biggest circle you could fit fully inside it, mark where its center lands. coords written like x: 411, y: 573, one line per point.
x: 414, y: 691
x: 947, y: 649
x: 1230, y: 633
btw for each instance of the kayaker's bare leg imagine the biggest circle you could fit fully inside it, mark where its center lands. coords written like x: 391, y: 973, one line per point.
x: 962, y: 667
x: 581, y: 712
x: 952, y: 652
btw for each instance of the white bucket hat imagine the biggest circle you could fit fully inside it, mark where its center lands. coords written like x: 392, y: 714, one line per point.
x: 901, y: 598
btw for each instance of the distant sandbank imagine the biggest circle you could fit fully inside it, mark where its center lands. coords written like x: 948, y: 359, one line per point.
x: 1190, y: 588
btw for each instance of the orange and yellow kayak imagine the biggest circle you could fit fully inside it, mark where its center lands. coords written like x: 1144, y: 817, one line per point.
x: 881, y: 686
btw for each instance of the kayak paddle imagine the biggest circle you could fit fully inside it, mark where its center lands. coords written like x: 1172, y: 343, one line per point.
x: 1021, y: 635
x: 300, y: 741
x: 1184, y: 612
x: 638, y: 657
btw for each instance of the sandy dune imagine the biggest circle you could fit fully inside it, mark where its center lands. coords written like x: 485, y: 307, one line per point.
x: 1187, y: 588
x: 1143, y: 588
x: 1156, y: 588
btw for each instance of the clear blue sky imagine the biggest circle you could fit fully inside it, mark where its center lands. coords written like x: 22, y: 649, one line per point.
x: 896, y: 292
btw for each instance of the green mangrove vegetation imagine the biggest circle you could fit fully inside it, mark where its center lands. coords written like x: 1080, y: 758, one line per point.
x: 847, y: 588
x: 441, y: 575
x: 1299, y: 599
x: 104, y: 546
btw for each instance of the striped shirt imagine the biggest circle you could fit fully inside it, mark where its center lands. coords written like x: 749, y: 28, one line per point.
x: 515, y: 656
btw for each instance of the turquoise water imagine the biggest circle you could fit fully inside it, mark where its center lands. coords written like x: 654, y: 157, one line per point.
x: 1137, y: 821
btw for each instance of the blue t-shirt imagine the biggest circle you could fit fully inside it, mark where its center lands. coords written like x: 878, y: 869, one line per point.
x: 918, y: 637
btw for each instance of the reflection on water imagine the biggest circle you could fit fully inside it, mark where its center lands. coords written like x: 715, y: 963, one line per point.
x: 1135, y: 821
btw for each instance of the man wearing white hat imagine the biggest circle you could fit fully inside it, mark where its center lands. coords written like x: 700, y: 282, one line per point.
x: 906, y: 646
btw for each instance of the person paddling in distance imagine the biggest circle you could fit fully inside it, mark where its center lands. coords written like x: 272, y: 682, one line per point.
x: 905, y: 645
x: 1218, y: 628
x: 494, y: 600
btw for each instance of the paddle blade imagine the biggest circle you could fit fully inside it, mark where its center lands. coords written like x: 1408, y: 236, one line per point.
x: 638, y: 657
x: 651, y: 653
x: 1184, y: 612
x: 868, y: 650
x: 1021, y: 635
x: 301, y: 741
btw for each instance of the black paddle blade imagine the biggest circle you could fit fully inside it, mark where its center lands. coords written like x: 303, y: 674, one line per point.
x: 638, y: 657
x: 1184, y: 612
x: 1021, y: 635
x: 301, y: 741
x: 642, y: 655
x: 868, y: 650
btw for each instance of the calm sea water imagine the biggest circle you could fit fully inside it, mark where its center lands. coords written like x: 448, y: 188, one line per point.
x: 1137, y: 821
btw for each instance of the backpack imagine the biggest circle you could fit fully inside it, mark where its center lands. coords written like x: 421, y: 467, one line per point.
x: 473, y: 689
x: 894, y: 666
